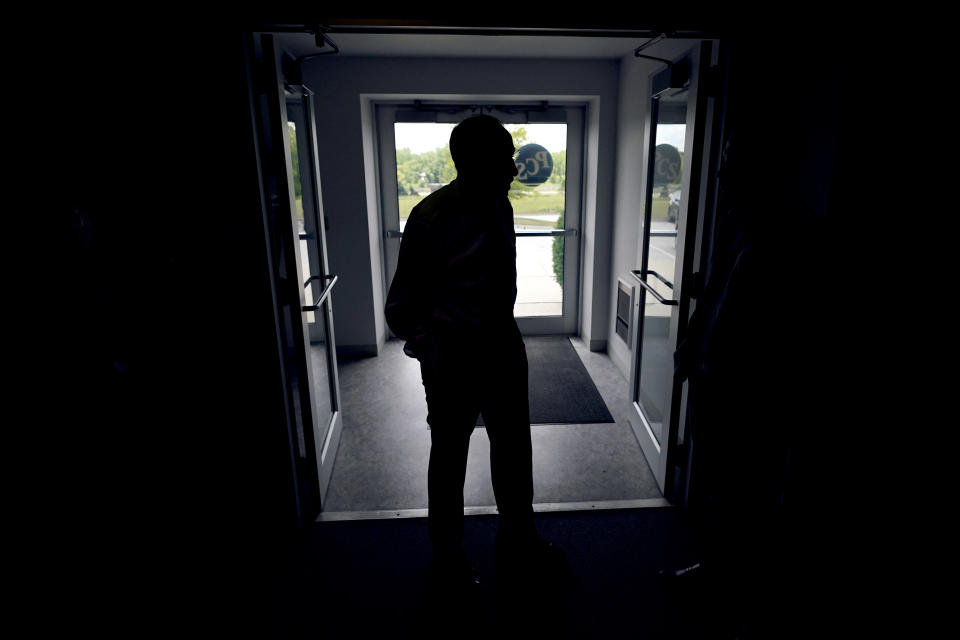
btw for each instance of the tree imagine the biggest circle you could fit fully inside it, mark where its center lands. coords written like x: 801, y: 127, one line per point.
x: 559, y: 175
x: 292, y: 132
x: 416, y: 171
x: 519, y: 135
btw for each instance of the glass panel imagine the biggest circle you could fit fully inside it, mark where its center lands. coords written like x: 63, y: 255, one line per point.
x: 656, y: 359
x: 309, y: 238
x: 539, y: 288
x: 423, y: 162
x: 538, y: 198
x: 319, y: 362
x: 298, y: 203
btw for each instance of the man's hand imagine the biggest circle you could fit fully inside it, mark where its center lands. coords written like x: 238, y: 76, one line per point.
x: 426, y: 349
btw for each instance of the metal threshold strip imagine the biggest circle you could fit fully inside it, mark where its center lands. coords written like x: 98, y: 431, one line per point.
x: 674, y: 31
x: 542, y: 507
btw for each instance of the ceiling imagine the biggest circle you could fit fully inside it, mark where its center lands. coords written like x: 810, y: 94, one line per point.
x: 478, y: 46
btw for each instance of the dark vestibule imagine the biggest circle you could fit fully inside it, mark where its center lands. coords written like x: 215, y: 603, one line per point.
x: 232, y: 206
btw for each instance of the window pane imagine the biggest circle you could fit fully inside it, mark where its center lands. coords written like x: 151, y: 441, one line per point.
x: 538, y: 198
x: 538, y: 291
x: 423, y: 162
x: 665, y: 208
x: 656, y: 358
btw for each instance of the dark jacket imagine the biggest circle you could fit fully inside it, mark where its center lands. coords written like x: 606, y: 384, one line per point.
x: 456, y: 274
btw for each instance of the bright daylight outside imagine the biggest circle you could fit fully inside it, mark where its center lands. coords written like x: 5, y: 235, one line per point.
x: 298, y: 204
x: 424, y: 165
x: 664, y: 211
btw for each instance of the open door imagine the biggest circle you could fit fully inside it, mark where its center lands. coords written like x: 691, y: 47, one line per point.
x: 679, y: 125
x: 303, y: 286
x: 322, y: 378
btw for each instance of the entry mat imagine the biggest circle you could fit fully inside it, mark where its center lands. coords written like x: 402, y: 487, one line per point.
x: 561, y: 391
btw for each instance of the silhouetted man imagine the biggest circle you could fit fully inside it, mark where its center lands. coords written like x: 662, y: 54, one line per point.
x: 452, y: 301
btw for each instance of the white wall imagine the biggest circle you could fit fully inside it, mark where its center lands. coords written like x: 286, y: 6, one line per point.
x: 632, y: 133
x: 354, y: 237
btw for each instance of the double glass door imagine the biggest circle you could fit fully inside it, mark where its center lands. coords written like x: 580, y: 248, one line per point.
x: 670, y: 244
x: 415, y: 161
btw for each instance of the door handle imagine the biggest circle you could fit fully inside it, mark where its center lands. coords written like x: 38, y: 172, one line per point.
x: 393, y: 233
x: 312, y: 278
x: 323, y: 294
x: 643, y: 283
x: 660, y: 278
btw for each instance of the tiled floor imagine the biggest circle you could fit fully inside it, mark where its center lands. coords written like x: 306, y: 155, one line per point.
x: 382, y: 460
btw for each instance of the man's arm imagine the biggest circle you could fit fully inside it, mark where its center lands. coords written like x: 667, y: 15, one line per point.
x: 410, y: 301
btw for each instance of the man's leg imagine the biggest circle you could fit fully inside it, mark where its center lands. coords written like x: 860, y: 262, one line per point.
x: 452, y: 416
x: 506, y: 416
x: 520, y: 554
x: 449, y: 445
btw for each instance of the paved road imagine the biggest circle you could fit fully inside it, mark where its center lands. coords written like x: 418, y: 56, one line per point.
x: 538, y: 293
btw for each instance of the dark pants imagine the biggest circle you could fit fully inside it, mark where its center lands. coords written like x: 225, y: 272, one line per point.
x: 481, y: 374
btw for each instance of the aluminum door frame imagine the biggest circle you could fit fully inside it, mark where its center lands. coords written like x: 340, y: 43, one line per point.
x: 327, y: 441
x: 661, y: 455
x: 269, y: 120
x: 387, y: 112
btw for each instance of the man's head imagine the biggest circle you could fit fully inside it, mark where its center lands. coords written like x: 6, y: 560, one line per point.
x: 482, y: 149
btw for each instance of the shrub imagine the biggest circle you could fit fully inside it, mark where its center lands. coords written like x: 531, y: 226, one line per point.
x: 558, y: 253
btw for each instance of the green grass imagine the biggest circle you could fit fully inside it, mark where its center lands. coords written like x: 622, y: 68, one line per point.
x: 534, y: 204
x: 659, y: 208
x: 407, y: 203
x: 533, y: 222
x: 552, y: 203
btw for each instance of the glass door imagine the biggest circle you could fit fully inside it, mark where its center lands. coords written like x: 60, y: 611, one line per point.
x: 545, y: 196
x: 678, y: 133
x: 321, y: 379
x: 301, y: 285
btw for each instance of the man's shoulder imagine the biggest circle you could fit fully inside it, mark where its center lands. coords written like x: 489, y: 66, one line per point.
x: 434, y: 205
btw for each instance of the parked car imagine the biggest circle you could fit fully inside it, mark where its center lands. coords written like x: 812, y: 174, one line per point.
x: 673, y: 208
